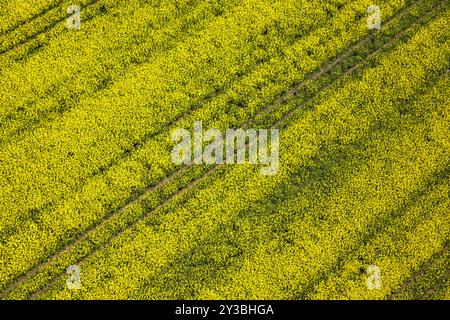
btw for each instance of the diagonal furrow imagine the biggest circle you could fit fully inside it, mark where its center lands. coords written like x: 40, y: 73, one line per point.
x: 323, y: 71
x: 37, y: 15
x: 134, y: 147
x: 285, y: 98
x: 423, y: 269
x: 60, y: 18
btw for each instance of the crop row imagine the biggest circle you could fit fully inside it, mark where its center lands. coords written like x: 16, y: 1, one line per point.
x: 123, y: 30
x: 265, y: 267
x: 132, y: 50
x: 430, y: 278
x: 115, y: 131
x: 213, y: 262
x: 168, y: 232
x: 42, y: 153
x: 22, y: 43
x: 295, y: 251
x: 37, y: 26
x: 51, y: 225
x: 16, y: 14
x: 88, y: 154
x: 401, y: 240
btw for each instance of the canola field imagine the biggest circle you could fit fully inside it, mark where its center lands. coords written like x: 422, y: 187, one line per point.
x: 93, y: 207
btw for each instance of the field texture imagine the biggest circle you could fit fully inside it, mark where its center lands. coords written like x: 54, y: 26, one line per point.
x: 93, y: 207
